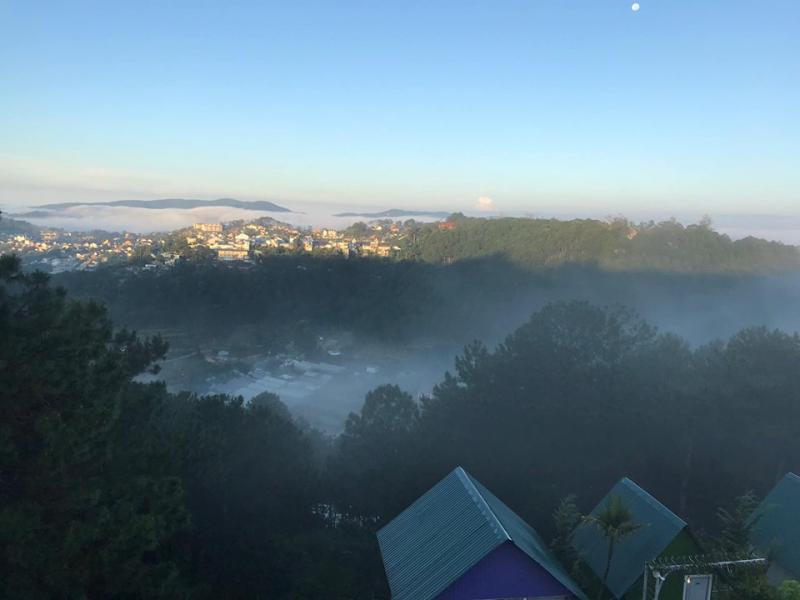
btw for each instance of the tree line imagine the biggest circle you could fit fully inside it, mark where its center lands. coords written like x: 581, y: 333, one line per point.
x: 617, y: 244
x: 288, y: 300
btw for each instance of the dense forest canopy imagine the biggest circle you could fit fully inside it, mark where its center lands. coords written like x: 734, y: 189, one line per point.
x: 110, y: 488
x: 284, y: 298
x: 117, y: 488
x: 614, y: 244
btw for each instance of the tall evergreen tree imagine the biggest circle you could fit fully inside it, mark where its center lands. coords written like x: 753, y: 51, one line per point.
x: 87, y: 506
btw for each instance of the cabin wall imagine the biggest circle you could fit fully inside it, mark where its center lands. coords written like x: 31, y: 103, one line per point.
x: 506, y: 572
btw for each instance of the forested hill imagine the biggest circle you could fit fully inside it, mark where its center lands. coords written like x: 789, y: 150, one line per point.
x: 616, y: 245
x: 16, y: 227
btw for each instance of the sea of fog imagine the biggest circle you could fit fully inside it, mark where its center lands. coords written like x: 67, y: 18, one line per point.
x: 782, y: 228
x: 146, y: 220
x: 324, y: 391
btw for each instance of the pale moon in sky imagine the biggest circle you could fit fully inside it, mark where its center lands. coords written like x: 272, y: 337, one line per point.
x: 635, y: 7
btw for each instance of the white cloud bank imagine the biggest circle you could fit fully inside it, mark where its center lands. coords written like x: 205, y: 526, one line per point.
x: 484, y: 203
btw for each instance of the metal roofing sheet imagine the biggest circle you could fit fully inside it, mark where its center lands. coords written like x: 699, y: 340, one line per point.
x: 447, y: 531
x: 630, y: 555
x: 777, y: 529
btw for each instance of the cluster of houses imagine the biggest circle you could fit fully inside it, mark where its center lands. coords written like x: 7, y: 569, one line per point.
x: 230, y: 245
x: 460, y: 542
x: 55, y: 251
x: 241, y: 242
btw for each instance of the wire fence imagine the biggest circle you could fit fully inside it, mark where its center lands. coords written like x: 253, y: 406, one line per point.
x: 658, y: 573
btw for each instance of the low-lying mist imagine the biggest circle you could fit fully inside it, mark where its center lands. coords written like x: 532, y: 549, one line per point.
x: 320, y: 333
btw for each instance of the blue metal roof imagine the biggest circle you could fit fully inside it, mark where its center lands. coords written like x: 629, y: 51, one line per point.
x: 777, y: 529
x: 630, y: 555
x: 447, y: 531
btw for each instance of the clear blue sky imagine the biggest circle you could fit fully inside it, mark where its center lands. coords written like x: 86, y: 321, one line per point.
x: 533, y: 103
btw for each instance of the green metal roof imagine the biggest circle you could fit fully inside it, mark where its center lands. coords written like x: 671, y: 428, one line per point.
x: 630, y: 555
x: 447, y: 531
x: 777, y: 529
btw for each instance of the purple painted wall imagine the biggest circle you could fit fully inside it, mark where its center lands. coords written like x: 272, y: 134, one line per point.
x: 507, y: 572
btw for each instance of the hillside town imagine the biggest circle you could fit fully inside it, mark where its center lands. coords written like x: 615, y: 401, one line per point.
x: 244, y: 241
x: 56, y: 250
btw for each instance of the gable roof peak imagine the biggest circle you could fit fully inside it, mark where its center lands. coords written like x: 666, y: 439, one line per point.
x: 648, y: 498
x: 661, y: 527
x: 481, y: 503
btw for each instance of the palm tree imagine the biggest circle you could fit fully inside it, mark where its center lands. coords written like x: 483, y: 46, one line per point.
x: 616, y: 523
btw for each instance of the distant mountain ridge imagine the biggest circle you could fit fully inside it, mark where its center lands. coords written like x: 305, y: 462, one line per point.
x: 175, y: 203
x: 33, y: 214
x: 396, y: 213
